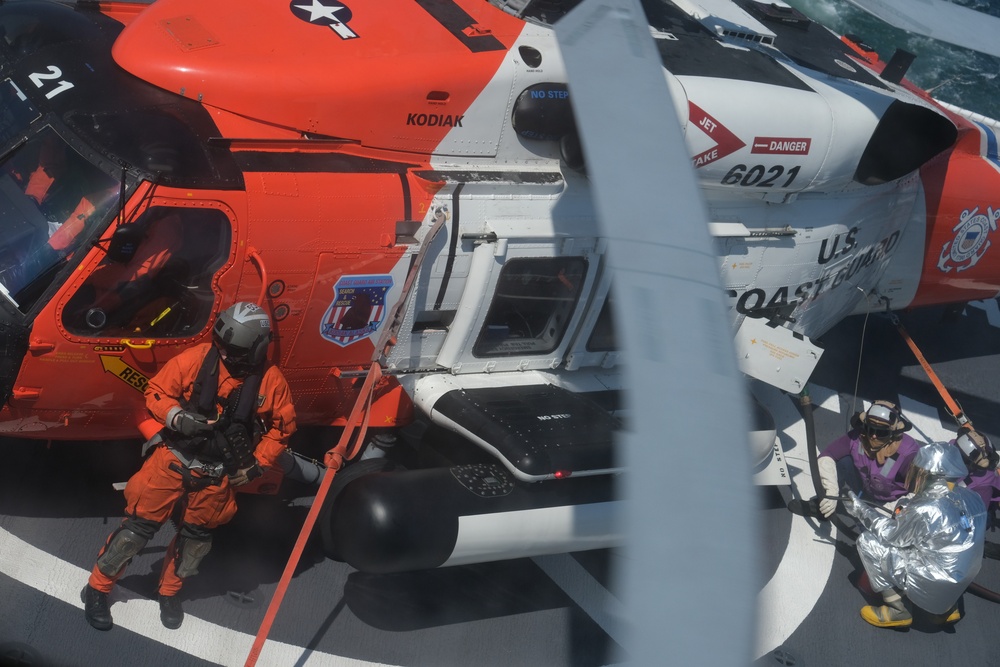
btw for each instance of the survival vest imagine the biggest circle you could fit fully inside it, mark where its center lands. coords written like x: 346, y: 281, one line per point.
x: 236, y: 431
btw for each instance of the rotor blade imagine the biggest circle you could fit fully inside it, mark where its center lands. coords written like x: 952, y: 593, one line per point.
x: 939, y: 19
x: 687, y: 488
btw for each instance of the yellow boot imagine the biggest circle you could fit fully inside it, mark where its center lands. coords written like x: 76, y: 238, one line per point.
x: 893, y: 614
x: 951, y: 616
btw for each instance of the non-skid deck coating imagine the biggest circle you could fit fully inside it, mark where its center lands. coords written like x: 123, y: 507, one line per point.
x: 57, y: 506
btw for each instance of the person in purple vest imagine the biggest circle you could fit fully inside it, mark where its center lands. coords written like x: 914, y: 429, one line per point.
x: 981, y: 459
x: 871, y: 459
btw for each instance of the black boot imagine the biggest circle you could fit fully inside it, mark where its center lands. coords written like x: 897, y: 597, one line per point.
x: 96, y: 608
x: 171, y: 614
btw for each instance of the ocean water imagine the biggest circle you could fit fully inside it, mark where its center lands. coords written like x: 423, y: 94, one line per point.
x: 953, y: 74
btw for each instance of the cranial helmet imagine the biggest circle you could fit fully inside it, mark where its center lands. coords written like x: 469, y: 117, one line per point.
x: 242, y: 333
x: 935, y: 461
x: 977, y: 450
x: 882, y: 420
x: 881, y: 425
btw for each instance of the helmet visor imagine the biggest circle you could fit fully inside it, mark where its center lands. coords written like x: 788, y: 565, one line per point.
x: 235, y: 353
x: 235, y: 357
x: 916, y: 478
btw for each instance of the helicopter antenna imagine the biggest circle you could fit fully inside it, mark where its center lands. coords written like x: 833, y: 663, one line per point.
x: 121, y: 194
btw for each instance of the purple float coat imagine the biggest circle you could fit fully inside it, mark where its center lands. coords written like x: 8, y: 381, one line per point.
x: 986, y: 483
x: 880, y: 483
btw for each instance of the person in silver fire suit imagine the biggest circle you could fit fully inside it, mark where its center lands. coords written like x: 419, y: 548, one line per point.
x: 927, y: 553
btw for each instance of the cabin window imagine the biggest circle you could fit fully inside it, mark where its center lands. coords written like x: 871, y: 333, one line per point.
x: 533, y: 304
x: 158, y: 283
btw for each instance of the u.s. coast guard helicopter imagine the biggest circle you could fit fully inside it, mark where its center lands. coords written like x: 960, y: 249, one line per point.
x: 402, y: 182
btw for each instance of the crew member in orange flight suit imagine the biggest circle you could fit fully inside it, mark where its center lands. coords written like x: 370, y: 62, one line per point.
x: 218, y: 434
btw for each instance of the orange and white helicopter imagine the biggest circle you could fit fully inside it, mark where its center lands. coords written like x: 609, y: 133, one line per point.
x: 332, y: 160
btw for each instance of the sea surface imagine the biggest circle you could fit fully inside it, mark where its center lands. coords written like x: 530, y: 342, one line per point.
x: 961, y: 76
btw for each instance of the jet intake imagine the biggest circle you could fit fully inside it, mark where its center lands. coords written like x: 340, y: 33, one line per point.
x: 906, y: 137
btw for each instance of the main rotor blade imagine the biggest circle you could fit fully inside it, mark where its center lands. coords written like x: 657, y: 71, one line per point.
x: 687, y: 490
x: 938, y: 19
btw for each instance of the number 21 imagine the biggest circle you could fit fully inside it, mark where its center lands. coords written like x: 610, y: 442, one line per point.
x: 39, y: 79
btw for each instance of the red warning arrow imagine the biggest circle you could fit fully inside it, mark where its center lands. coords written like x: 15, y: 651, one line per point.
x: 725, y: 141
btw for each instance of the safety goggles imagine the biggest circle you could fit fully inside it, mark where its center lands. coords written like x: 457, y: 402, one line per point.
x: 873, y: 432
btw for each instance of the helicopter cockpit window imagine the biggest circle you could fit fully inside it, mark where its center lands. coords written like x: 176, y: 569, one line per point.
x: 164, y: 288
x: 16, y: 112
x: 51, y: 199
x: 532, y: 307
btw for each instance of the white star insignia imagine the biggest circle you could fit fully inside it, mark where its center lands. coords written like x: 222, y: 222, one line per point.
x: 319, y: 10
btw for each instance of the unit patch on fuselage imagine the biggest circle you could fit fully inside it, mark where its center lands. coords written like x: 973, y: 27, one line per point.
x: 357, y: 310
x: 970, y: 242
x: 325, y: 12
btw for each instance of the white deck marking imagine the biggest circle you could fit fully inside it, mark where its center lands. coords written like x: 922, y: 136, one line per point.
x: 927, y: 426
x: 63, y: 581
x: 593, y: 598
x: 992, y: 310
x: 801, y: 577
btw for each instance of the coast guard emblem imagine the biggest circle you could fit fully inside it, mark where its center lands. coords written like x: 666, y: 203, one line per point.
x: 970, y: 242
x: 357, y: 310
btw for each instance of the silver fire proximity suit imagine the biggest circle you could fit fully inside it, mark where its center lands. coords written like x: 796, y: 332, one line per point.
x: 932, y: 548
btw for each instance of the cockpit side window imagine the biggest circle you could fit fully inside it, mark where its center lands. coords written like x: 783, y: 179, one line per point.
x: 50, y: 200
x: 164, y: 288
x: 532, y: 307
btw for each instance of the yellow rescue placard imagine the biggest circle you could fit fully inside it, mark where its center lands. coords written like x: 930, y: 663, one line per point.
x: 130, y: 376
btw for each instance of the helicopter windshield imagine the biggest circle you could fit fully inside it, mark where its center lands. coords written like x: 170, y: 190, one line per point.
x: 51, y: 198
x: 16, y: 112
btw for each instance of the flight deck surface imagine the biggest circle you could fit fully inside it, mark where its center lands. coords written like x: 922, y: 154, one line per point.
x: 57, y: 506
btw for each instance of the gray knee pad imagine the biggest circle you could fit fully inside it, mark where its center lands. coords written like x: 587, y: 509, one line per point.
x: 122, y: 546
x: 189, y: 554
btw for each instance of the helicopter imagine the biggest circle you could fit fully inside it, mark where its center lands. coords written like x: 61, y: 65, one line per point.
x: 405, y: 183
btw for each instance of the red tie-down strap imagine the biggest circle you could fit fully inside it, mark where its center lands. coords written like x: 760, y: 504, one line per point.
x: 954, y: 409
x: 350, y: 440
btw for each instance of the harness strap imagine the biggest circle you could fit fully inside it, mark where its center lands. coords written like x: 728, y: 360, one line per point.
x: 205, y: 392
x: 191, y: 482
x: 206, y: 385
x: 246, y: 399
